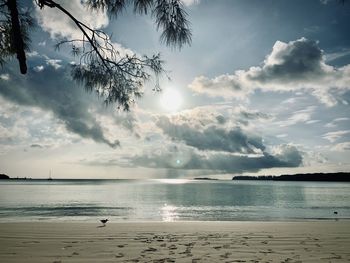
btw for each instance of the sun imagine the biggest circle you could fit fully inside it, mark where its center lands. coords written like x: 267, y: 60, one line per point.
x: 171, y: 99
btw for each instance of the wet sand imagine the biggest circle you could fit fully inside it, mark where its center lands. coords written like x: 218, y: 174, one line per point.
x: 311, y: 241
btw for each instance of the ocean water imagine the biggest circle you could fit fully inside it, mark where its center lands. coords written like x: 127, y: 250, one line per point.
x: 171, y: 200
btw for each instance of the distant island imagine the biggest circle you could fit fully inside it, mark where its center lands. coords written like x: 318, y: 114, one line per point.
x: 315, y: 177
x: 4, y: 176
x: 204, y: 178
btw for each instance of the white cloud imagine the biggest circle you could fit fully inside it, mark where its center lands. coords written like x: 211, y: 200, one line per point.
x: 59, y: 25
x: 333, y: 56
x: 300, y: 116
x: 283, y: 135
x: 335, y: 122
x: 39, y: 68
x: 54, y: 63
x: 295, y: 66
x: 43, y: 43
x: 334, y: 136
x: 190, y: 2
x: 312, y: 121
x: 341, y: 147
x: 5, y: 76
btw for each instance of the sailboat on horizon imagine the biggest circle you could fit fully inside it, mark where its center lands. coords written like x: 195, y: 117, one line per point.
x: 50, y: 178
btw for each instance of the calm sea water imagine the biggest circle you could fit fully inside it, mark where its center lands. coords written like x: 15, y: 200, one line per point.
x: 171, y: 200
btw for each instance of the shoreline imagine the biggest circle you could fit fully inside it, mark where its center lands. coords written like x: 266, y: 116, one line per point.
x: 184, y: 241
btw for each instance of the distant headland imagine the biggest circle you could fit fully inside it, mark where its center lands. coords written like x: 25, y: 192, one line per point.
x: 204, y: 178
x: 4, y: 176
x: 315, y: 177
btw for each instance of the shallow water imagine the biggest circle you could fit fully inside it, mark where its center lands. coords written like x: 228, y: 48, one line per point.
x: 171, y: 200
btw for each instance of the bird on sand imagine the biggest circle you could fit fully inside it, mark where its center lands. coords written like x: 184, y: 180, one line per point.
x: 104, y: 221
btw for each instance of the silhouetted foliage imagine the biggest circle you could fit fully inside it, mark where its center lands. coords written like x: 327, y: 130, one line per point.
x: 321, y: 177
x: 117, y: 78
x: 4, y: 176
x: 14, y: 32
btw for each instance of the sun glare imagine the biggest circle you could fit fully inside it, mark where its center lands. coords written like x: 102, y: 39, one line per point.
x: 171, y: 99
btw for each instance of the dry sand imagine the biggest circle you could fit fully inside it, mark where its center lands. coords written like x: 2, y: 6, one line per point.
x: 318, y: 241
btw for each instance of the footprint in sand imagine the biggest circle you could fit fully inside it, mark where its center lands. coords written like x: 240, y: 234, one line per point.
x: 119, y: 255
x: 30, y: 242
x: 226, y: 255
x: 65, y: 247
x: 150, y: 249
x: 172, y: 247
x: 226, y: 246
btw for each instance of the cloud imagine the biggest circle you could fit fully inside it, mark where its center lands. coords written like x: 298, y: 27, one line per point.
x: 336, y: 55
x: 52, y: 89
x: 300, y: 116
x: 39, y: 146
x: 38, y: 68
x: 334, y: 136
x: 204, y: 138
x: 4, y: 76
x: 59, y: 25
x: 335, y: 122
x: 297, y: 65
x: 190, y: 2
x: 190, y: 159
x: 341, y: 147
x: 296, y: 60
x: 222, y: 86
x: 55, y: 63
x: 211, y: 138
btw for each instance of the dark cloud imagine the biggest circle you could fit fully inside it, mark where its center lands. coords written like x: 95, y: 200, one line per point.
x: 37, y: 146
x: 182, y: 158
x: 53, y: 90
x: 211, y: 137
x: 220, y: 119
x: 252, y: 115
x: 296, y: 60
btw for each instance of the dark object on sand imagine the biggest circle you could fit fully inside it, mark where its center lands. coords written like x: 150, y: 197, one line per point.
x: 104, y: 221
x: 335, y: 212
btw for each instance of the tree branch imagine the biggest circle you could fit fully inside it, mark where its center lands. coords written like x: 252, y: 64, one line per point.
x: 17, y: 40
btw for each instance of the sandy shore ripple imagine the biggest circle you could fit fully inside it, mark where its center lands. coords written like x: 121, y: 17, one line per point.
x: 312, y: 241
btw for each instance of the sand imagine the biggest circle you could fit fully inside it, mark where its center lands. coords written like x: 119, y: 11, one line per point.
x: 311, y: 241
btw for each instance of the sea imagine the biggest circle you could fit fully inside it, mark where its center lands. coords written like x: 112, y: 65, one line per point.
x: 172, y: 200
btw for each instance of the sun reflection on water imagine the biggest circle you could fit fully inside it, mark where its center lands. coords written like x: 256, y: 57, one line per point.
x: 169, y: 213
x: 173, y: 181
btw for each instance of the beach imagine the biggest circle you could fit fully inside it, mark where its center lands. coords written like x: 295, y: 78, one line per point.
x: 240, y: 241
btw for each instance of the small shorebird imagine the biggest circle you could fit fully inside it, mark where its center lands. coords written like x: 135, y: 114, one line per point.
x: 104, y: 221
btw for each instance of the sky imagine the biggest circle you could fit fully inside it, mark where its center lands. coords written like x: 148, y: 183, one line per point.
x: 264, y: 88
